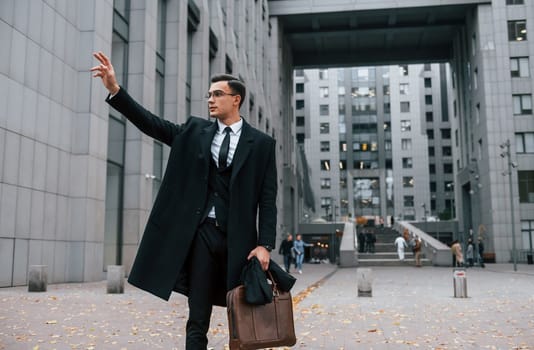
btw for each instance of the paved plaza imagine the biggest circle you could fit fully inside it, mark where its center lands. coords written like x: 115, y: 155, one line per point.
x: 410, y: 309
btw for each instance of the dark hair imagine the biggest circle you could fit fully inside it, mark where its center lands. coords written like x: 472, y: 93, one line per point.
x: 237, y: 86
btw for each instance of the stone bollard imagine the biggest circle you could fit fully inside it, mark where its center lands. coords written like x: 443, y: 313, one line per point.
x: 460, y: 283
x: 365, y: 282
x: 115, y: 279
x: 37, y: 278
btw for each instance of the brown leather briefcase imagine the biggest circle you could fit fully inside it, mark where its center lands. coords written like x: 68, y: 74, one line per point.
x: 260, y: 326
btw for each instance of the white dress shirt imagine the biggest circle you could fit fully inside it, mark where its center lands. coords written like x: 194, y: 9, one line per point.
x: 216, y: 146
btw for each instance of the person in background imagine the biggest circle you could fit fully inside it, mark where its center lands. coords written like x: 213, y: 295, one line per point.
x: 481, y: 252
x: 470, y: 252
x: 417, y: 251
x: 400, y: 243
x: 458, y: 257
x: 298, y: 247
x: 286, y: 249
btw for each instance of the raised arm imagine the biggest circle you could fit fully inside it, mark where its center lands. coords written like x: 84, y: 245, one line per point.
x: 148, y: 123
x: 105, y: 71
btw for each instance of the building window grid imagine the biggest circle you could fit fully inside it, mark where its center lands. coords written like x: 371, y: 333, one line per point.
x: 519, y: 67
x: 517, y: 30
x: 522, y: 104
x: 524, y: 142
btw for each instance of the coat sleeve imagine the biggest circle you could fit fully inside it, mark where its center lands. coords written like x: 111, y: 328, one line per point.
x: 267, y: 201
x: 153, y: 126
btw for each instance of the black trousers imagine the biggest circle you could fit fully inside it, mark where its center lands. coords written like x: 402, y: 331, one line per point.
x: 207, y: 272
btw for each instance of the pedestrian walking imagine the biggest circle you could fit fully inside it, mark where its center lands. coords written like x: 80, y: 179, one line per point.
x: 458, y: 257
x: 286, y: 249
x: 481, y: 252
x: 216, y: 207
x: 470, y: 252
x: 298, y: 247
x: 400, y: 243
x: 361, y: 241
x: 417, y: 251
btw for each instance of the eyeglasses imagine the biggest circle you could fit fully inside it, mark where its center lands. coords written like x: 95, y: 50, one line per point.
x: 217, y: 94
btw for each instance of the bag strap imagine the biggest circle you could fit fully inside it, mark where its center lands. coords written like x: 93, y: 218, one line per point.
x: 275, y: 286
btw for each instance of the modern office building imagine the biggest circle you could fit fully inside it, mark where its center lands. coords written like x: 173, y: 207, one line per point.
x: 368, y: 133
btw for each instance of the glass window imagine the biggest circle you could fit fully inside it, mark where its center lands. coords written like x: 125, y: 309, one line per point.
x: 300, y: 121
x: 324, y: 128
x: 326, y: 201
x: 447, y: 168
x: 404, y: 88
x: 406, y: 144
x: 325, y: 146
x: 325, y: 183
x: 429, y: 116
x: 515, y: 2
x: 517, y: 30
x: 519, y: 67
x: 324, y: 110
x: 446, y: 151
x: 343, y: 146
x: 431, y: 151
x: 299, y: 104
x: 432, y: 168
x: 323, y: 92
x: 341, y: 91
x: 430, y: 134
x: 323, y: 74
x: 407, y: 181
x: 428, y: 82
x: 428, y: 99
x: 408, y: 201
x: 403, y: 69
x: 433, y: 186
x: 405, y: 106
x: 524, y: 142
x: 299, y: 87
x: 526, y: 186
x: 325, y: 164
x: 522, y: 104
x: 407, y: 163
x: 406, y: 125
x: 157, y: 168
x: 445, y: 134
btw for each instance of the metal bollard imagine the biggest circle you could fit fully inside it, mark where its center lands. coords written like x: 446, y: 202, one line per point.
x: 115, y: 279
x: 365, y: 282
x: 37, y: 278
x: 460, y: 283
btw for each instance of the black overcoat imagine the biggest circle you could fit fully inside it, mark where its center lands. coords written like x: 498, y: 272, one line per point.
x: 178, y: 209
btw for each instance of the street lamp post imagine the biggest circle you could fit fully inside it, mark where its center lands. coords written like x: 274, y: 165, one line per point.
x: 506, y: 154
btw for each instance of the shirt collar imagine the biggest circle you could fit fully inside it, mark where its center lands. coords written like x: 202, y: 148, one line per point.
x: 236, y: 127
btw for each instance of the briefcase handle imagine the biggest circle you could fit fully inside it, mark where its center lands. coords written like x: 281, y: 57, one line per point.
x: 275, y: 286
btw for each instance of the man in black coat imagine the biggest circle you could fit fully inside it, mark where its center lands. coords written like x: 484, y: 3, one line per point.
x: 220, y: 178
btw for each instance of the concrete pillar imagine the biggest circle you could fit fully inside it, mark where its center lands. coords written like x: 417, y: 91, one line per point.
x: 37, y: 278
x: 115, y: 279
x: 365, y: 282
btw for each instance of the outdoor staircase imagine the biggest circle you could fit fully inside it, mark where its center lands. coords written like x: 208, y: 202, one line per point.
x: 386, y: 251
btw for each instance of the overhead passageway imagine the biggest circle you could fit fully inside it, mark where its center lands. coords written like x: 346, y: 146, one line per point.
x: 350, y: 32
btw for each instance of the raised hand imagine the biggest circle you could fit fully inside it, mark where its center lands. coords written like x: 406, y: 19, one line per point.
x: 105, y: 71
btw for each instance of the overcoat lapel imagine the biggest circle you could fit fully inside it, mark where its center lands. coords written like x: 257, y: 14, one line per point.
x: 206, y: 137
x: 242, y: 151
